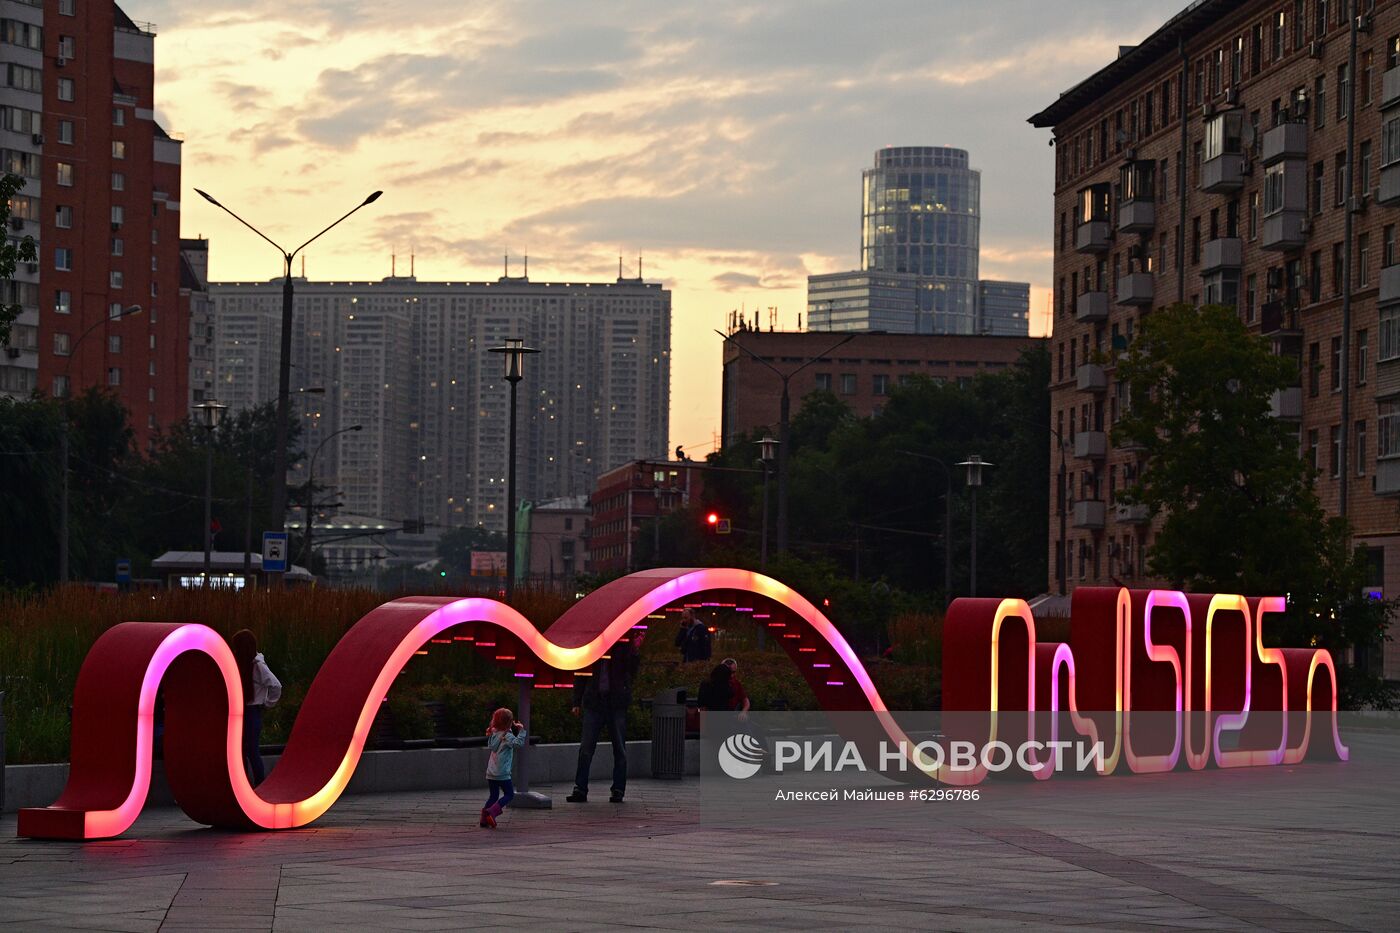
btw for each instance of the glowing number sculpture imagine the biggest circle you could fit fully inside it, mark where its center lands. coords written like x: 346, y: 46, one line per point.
x: 1199, y: 660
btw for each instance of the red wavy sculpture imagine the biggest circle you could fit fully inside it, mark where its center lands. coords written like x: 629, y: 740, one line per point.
x: 1198, y: 661
x: 114, y: 701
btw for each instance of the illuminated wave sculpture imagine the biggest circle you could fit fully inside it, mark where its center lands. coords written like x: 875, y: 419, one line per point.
x: 991, y: 663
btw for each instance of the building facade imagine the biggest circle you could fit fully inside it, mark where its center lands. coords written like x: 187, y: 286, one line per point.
x: 408, y: 362
x: 920, y: 235
x: 627, y: 500
x: 1003, y: 308
x: 199, y: 308
x: 861, y: 372
x: 101, y: 200
x: 1208, y: 164
x: 552, y: 537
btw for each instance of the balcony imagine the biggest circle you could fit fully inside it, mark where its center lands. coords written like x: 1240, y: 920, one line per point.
x: 1387, y: 477
x: 1136, y: 216
x: 1276, y: 319
x: 1285, y: 230
x: 1135, y: 514
x: 1390, y: 88
x: 1287, y: 404
x: 1222, y: 253
x: 1090, y: 307
x: 1091, y: 378
x: 1223, y: 174
x: 1390, y: 285
x: 1135, y: 288
x: 1088, y: 513
x: 1389, y: 190
x: 1285, y: 141
x: 1092, y: 237
x: 1090, y: 445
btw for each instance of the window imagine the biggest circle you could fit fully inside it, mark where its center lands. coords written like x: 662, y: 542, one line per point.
x: 1338, y: 269
x: 114, y: 376
x: 1388, y: 427
x: 1256, y: 50
x: 1314, y: 370
x: 67, y: 7
x: 1389, y: 348
x: 1315, y: 276
x: 1336, y: 364
x: 1280, y: 22
x: 1223, y: 134
x: 1254, y: 215
x: 22, y: 34
x: 1390, y: 141
x: 60, y: 386
x: 1237, y: 62
x: 1343, y: 89
x: 118, y: 181
x: 118, y: 247
x: 114, y: 343
x: 1358, y: 431
x: 65, y: 174
x: 1334, y: 456
x: 1366, y: 77
x: 63, y: 302
x: 1251, y: 285
x: 1363, y: 352
x: 1388, y: 245
x: 63, y: 259
x: 1273, y: 189
x: 118, y: 116
x: 1363, y: 260
x: 63, y: 217
x: 1363, y: 168
x: 1320, y: 101
x: 1339, y: 178
x: 60, y: 345
x: 65, y: 88
x: 23, y: 79
x: 1320, y: 29
x: 114, y: 310
x: 118, y: 215
x: 66, y: 47
x: 848, y: 383
x: 1312, y: 448
x: 880, y: 384
x: 118, y: 149
x: 65, y: 132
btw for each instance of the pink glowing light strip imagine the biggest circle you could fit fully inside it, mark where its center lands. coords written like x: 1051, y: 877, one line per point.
x: 1232, y: 721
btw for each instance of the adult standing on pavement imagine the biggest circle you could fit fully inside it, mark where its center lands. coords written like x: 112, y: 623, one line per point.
x: 602, y: 700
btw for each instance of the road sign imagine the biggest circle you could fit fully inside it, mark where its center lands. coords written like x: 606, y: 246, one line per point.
x: 124, y: 570
x: 274, y: 552
x: 724, y: 526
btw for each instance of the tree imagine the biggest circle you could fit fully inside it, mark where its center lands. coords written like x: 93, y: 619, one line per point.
x: 1239, y: 508
x: 11, y: 254
x: 456, y: 545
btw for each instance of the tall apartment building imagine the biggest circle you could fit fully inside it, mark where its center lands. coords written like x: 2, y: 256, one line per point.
x: 194, y: 295
x: 1003, y: 308
x: 101, y: 198
x: 1208, y: 164
x: 408, y: 361
x: 919, y: 237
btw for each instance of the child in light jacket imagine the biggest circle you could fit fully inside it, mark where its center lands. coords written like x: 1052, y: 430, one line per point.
x: 503, y: 737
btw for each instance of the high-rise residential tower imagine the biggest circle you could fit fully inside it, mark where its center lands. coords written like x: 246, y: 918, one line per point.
x: 408, y: 361
x: 920, y: 235
x: 101, y: 199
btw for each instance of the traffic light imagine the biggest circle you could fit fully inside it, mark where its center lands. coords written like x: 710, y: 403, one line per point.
x: 712, y: 519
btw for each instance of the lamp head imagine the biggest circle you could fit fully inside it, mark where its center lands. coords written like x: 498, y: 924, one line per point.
x: 372, y: 198
x: 768, y: 448
x: 974, y: 464
x: 513, y: 353
x: 210, y: 412
x: 208, y: 197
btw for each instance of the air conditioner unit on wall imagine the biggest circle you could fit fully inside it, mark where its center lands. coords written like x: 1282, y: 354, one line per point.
x: 38, y: 139
x: 1364, y: 23
x: 61, y: 61
x: 1315, y: 48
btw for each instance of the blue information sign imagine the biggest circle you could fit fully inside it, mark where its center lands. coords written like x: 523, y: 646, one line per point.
x: 274, y: 556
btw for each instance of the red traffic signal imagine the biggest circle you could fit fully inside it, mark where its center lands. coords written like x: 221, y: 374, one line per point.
x: 712, y: 519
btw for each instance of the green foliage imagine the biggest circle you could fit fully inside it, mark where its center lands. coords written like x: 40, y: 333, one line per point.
x: 455, y: 547
x: 1239, y: 506
x: 11, y: 254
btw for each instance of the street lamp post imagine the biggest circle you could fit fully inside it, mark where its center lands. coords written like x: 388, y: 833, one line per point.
x: 306, y: 551
x: 63, y: 437
x: 210, y: 413
x: 784, y: 410
x: 513, y: 354
x: 974, y: 465
x: 767, y: 450
x: 279, y: 461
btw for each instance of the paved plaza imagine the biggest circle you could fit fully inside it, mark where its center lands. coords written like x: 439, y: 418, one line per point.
x: 1312, y: 847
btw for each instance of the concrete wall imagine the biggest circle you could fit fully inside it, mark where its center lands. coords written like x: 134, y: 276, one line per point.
x: 383, y: 771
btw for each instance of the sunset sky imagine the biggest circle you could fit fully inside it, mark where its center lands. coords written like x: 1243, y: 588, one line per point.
x: 723, y: 141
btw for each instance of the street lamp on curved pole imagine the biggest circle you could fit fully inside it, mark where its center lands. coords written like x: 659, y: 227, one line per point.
x: 784, y: 410
x: 279, y: 463
x: 306, y: 550
x: 63, y: 435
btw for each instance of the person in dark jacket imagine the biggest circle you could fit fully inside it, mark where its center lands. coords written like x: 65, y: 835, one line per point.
x: 602, y: 700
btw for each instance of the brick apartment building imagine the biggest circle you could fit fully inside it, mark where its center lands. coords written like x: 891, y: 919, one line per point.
x: 860, y: 372
x: 628, y: 497
x: 1208, y: 164
x: 101, y: 199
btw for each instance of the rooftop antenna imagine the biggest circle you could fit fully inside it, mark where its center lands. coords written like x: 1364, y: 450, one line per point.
x: 639, y: 267
x: 393, y: 265
x: 619, y: 267
x: 411, y: 258
x: 303, y: 265
x: 527, y: 265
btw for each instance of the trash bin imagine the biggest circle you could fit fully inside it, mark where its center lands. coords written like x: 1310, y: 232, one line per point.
x: 668, y: 734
